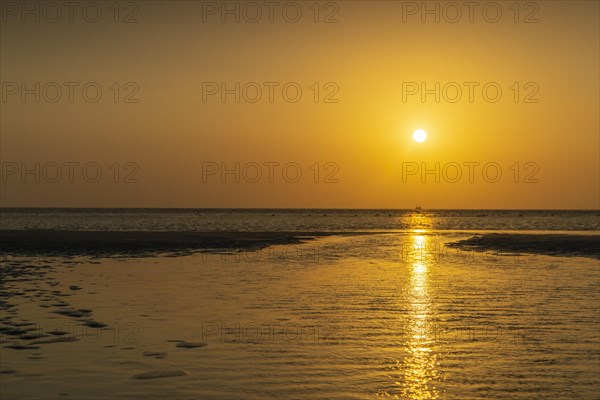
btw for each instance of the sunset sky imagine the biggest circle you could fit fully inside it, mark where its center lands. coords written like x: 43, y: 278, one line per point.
x: 370, y: 57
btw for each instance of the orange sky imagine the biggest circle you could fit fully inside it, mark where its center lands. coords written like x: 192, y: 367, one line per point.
x: 361, y: 140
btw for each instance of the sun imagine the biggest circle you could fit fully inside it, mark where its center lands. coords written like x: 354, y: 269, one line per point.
x: 420, y: 135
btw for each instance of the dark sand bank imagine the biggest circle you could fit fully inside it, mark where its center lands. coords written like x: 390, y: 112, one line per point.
x: 551, y: 244
x: 137, y: 242
x: 107, y: 243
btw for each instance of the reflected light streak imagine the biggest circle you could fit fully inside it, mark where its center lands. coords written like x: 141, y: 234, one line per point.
x: 419, y: 366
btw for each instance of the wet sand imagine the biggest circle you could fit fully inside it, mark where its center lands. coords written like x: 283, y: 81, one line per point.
x: 64, y: 243
x: 110, y: 243
x: 355, y: 322
x: 549, y: 244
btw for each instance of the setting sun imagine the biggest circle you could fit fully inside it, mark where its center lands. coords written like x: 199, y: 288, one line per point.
x: 420, y: 135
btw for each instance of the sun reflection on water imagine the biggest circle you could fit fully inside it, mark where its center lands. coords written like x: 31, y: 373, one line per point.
x: 418, y: 368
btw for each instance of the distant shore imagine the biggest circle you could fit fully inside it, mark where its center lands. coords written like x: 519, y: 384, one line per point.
x: 548, y: 244
x: 148, y: 243
x: 58, y: 242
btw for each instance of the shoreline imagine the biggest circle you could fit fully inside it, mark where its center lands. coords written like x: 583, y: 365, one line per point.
x: 100, y: 243
x: 152, y: 243
x: 184, y: 326
x: 549, y: 244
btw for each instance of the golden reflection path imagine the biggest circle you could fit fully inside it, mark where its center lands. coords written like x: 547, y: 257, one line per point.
x: 419, y: 366
x: 417, y: 372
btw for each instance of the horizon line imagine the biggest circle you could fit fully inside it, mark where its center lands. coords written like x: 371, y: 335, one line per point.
x: 301, y: 208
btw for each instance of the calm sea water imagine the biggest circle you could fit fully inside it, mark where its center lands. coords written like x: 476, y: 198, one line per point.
x: 309, y: 220
x: 340, y: 317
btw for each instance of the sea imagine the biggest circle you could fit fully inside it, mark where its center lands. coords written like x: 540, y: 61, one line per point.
x: 304, y: 220
x: 378, y: 304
